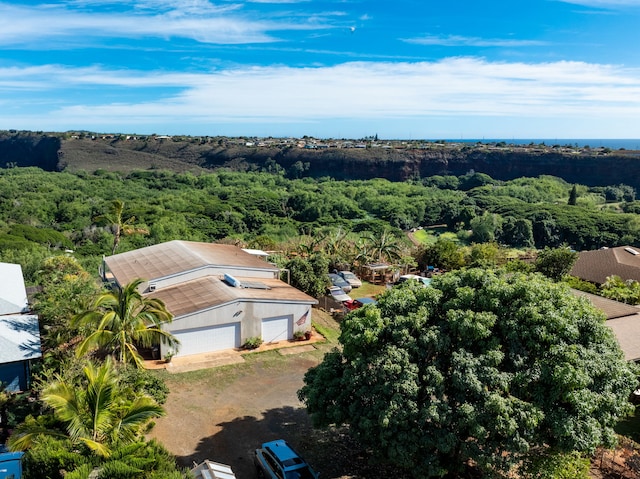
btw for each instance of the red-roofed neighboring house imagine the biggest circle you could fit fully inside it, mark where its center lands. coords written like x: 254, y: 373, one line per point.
x: 596, y: 266
x: 623, y: 319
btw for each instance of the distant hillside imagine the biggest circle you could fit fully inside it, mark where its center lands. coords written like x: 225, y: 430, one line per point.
x: 396, y: 161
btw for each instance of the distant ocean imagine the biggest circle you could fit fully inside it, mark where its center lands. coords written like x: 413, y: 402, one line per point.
x: 614, y: 144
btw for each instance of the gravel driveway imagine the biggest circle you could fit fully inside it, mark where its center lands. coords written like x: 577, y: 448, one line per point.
x: 224, y: 414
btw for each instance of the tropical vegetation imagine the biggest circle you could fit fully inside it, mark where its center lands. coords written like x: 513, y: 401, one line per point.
x: 59, y: 225
x: 483, y: 368
x: 122, y: 319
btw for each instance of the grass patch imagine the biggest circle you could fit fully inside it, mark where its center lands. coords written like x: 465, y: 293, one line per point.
x: 367, y: 290
x: 221, y: 375
x: 448, y: 235
x: 330, y: 334
x: 424, y: 237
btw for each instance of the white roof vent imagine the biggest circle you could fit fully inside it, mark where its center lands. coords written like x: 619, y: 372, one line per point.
x: 632, y: 251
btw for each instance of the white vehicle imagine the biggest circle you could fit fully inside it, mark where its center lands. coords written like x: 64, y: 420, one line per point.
x: 336, y: 293
x: 351, y: 278
x: 414, y: 277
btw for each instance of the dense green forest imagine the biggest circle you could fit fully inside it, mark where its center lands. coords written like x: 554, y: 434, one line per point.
x: 58, y: 226
x: 42, y: 212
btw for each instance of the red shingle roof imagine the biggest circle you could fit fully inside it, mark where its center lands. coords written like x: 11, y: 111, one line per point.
x: 596, y: 266
x: 622, y: 319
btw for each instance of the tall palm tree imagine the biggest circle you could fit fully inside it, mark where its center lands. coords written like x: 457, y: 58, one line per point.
x: 97, y: 413
x: 122, y: 318
x: 120, y: 225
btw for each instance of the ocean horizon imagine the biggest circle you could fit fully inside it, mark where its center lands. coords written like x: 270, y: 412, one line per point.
x: 614, y: 144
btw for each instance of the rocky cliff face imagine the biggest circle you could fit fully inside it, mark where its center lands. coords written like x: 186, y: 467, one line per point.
x: 54, y: 153
x: 29, y: 149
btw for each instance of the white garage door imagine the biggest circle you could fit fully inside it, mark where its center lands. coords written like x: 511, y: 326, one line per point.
x: 206, y: 340
x: 276, y: 329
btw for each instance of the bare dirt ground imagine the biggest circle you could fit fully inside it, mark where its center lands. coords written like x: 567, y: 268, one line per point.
x: 224, y: 414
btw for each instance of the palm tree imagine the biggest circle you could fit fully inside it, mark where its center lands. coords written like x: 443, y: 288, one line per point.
x: 383, y: 247
x: 122, y: 318
x: 97, y: 414
x: 118, y: 223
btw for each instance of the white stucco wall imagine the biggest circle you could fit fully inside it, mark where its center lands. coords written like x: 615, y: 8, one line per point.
x: 249, y: 313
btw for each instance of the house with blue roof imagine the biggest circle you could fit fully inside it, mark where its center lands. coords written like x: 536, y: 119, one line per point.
x: 19, y: 330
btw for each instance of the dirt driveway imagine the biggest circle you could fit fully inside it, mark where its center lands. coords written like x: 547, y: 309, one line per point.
x: 225, y: 413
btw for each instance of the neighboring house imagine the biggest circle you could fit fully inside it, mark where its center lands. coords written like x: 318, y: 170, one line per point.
x: 596, y: 266
x: 622, y: 319
x: 19, y: 330
x: 218, y: 294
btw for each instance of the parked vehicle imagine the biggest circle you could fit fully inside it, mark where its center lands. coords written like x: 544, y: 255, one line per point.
x: 351, y: 278
x: 339, y: 281
x: 278, y: 460
x: 358, y: 303
x: 10, y: 464
x: 338, y: 294
x: 414, y: 277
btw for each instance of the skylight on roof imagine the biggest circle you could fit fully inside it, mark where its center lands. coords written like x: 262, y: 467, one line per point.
x: 632, y: 251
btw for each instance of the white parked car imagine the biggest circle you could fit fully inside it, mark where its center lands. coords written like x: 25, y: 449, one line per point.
x: 338, y: 294
x: 351, y: 278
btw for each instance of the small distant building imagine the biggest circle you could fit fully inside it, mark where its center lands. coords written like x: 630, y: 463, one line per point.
x: 19, y: 330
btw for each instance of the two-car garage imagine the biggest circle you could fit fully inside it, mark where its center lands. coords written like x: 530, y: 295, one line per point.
x: 228, y: 336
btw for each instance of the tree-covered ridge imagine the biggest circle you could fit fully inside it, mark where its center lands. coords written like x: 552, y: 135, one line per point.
x: 67, y: 210
x: 344, y: 159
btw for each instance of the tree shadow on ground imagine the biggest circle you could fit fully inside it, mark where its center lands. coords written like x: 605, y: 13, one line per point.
x: 331, y: 452
x: 235, y: 444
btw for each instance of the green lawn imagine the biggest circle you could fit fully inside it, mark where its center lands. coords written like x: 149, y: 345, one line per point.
x: 424, y: 237
x: 367, y: 290
x: 428, y: 236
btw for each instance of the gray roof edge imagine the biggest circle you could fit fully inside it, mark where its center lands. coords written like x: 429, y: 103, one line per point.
x: 246, y: 300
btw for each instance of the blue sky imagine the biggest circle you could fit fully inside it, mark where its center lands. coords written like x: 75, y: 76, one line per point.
x: 418, y: 69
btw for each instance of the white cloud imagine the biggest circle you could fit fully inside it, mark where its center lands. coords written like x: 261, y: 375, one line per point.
x: 608, y: 4
x: 458, y: 41
x: 198, y: 20
x: 358, y: 90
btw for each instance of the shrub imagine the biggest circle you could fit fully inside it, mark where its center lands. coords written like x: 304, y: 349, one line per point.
x: 557, y: 466
x: 144, y: 381
x: 252, y: 343
x: 50, y: 457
